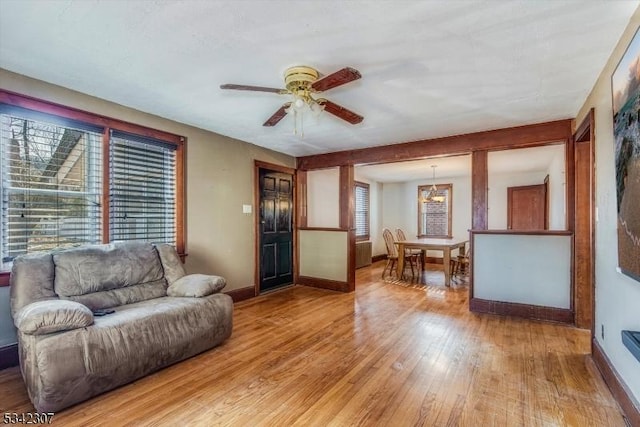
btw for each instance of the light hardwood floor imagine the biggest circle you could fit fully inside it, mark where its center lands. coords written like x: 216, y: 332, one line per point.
x: 387, y: 355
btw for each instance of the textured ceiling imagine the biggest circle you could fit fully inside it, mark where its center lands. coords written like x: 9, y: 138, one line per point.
x: 429, y: 68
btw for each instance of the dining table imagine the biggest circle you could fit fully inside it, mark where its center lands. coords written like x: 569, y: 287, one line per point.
x: 432, y: 244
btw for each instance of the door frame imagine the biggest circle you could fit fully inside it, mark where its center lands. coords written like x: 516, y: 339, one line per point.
x: 258, y: 165
x: 585, y: 134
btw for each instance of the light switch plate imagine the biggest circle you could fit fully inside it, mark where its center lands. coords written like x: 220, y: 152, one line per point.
x: 246, y: 209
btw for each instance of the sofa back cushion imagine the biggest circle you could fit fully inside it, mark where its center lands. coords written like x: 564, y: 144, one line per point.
x: 31, y: 280
x: 106, y: 276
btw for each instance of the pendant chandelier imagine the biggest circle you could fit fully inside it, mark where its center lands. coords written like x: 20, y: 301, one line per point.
x: 432, y: 195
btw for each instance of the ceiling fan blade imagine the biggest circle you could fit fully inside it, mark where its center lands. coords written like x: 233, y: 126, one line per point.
x: 253, y: 88
x: 341, y: 112
x: 338, y: 78
x: 277, y: 116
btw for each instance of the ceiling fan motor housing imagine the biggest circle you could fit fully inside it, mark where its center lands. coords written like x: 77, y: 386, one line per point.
x: 298, y: 80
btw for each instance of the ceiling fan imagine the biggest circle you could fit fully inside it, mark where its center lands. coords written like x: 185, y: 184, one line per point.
x: 303, y: 83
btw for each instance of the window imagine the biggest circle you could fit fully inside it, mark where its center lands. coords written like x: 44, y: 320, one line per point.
x: 142, y: 190
x: 58, y: 191
x: 362, y: 210
x: 434, y: 216
x: 50, y: 184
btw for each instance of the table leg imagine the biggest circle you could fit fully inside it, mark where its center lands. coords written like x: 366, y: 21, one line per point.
x: 400, y: 261
x: 446, y: 259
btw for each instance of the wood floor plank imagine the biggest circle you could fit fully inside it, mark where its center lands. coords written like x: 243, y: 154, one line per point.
x: 390, y: 354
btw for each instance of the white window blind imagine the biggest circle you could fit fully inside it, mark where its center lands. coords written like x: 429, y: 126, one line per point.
x: 142, y: 192
x: 51, y: 182
x: 362, y: 211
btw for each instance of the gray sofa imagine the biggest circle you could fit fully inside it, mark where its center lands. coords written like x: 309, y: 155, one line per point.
x: 161, y: 316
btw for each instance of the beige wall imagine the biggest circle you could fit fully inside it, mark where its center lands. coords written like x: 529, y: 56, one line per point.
x: 617, y: 299
x: 220, y: 238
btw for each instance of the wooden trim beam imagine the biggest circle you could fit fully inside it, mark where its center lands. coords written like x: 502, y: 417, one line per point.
x: 514, y: 137
x: 242, y: 294
x: 332, y: 285
x: 525, y: 311
x: 31, y: 103
x: 347, y: 214
x: 479, y: 190
x: 620, y: 391
x: 9, y: 356
x: 526, y: 232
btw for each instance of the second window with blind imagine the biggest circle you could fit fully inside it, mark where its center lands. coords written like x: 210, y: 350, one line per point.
x: 361, y: 191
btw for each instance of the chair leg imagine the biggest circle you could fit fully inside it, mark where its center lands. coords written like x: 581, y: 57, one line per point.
x: 385, y: 267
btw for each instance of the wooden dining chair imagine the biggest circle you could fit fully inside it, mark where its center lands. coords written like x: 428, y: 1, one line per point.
x: 392, y: 254
x: 416, y: 254
x: 460, y: 265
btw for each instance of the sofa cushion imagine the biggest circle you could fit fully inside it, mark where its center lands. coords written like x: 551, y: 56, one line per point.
x: 196, y: 285
x: 105, y: 276
x: 31, y: 280
x: 46, y: 317
x: 171, y: 263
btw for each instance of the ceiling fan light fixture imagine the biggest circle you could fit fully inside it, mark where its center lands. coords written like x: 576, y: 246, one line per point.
x: 302, y: 83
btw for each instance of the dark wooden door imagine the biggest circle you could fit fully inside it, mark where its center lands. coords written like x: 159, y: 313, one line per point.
x: 527, y: 207
x: 276, y: 229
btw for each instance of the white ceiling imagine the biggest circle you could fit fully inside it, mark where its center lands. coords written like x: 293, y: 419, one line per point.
x: 429, y: 68
x: 525, y: 160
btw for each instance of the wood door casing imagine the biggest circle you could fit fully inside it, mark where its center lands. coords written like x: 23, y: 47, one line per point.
x: 527, y: 207
x: 276, y: 229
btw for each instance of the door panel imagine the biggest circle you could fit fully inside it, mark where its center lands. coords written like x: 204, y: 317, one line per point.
x: 276, y: 230
x: 527, y: 207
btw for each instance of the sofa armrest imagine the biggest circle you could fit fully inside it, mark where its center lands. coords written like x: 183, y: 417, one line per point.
x: 47, y: 317
x: 196, y: 285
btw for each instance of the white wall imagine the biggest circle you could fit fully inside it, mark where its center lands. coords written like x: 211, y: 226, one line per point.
x: 400, y: 206
x: 617, y: 297
x: 323, y: 198
x: 375, y: 214
x: 557, y: 195
x: 533, y: 269
x: 552, y: 164
x: 498, y: 184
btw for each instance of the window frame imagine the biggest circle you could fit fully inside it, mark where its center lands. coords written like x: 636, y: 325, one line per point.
x: 367, y: 236
x: 107, y: 124
x: 449, y: 188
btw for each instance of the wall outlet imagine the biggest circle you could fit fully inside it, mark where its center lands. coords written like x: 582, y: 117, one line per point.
x: 246, y: 209
x: 602, y: 331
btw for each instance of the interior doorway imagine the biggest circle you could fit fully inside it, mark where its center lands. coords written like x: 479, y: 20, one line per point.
x: 527, y: 207
x: 275, y: 228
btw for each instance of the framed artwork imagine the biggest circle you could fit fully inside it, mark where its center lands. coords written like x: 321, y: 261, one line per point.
x: 625, y: 85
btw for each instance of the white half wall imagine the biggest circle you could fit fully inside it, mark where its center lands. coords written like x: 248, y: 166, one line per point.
x: 323, y: 254
x: 525, y: 269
